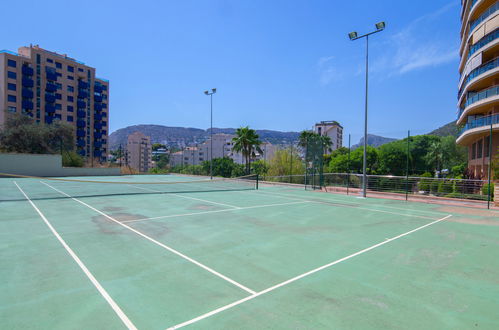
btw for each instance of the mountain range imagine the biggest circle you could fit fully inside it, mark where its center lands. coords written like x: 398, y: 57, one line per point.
x: 185, y: 136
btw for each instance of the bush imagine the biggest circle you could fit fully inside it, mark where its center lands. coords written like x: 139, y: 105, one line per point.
x: 72, y: 159
x: 485, y: 190
x: 445, y: 187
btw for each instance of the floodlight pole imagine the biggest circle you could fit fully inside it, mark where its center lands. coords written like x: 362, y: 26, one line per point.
x: 213, y: 91
x: 353, y: 36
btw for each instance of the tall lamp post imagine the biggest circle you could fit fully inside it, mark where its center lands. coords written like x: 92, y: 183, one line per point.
x: 213, y: 91
x: 353, y: 36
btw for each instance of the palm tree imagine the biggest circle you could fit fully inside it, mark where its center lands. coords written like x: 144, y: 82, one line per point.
x: 246, y: 142
x: 304, y: 136
x: 435, y: 155
x: 327, y: 143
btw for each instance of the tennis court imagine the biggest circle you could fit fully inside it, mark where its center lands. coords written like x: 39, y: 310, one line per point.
x: 153, y: 253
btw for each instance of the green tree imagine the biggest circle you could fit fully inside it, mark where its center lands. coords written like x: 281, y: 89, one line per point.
x: 221, y: 166
x: 393, y: 158
x: 23, y: 135
x: 157, y: 146
x: 259, y: 167
x: 340, y: 163
x: 247, y: 142
x: 162, y: 161
x: 285, y: 162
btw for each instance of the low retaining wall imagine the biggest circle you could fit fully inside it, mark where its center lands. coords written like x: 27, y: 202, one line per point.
x: 47, y: 165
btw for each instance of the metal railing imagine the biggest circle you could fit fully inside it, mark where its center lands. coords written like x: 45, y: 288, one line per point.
x: 490, y: 65
x: 399, y: 187
x: 484, y: 41
x: 488, y: 12
x: 475, y: 97
x: 480, y: 122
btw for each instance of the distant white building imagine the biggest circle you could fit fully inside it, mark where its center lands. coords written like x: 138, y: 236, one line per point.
x: 333, y: 129
x: 222, y: 147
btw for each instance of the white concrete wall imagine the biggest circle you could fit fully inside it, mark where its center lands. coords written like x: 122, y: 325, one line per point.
x: 46, y: 165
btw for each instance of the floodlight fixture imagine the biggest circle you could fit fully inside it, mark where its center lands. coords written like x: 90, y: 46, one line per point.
x: 380, y: 26
x: 352, y: 35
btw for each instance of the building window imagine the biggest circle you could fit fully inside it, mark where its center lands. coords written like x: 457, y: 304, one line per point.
x: 70, y: 108
x: 487, y: 147
x: 49, y: 60
x: 11, y: 87
x: 12, y: 98
x: 70, y: 118
x: 59, y: 86
x: 58, y: 65
x: 11, y: 75
x: 80, y: 70
x: 70, y: 99
x: 71, y: 78
x: 71, y: 69
x: 11, y: 109
x: 479, y: 149
x: 38, y: 58
x: 12, y: 63
x: 58, y: 106
x: 71, y: 89
x: 473, y: 151
x: 58, y: 96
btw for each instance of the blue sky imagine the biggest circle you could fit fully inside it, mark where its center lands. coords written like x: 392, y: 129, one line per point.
x: 279, y: 65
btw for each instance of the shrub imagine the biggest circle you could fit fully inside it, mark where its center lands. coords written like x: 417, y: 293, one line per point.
x: 445, y: 187
x: 72, y: 159
x: 485, y: 190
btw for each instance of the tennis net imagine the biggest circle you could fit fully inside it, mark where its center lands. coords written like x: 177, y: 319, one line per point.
x: 54, y: 188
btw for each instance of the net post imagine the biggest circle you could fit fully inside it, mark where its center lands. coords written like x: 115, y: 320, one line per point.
x: 407, y: 168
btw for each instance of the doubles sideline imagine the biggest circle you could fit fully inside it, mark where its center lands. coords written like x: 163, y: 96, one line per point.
x: 84, y: 268
x: 296, y: 278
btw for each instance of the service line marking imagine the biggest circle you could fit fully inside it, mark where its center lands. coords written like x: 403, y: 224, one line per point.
x: 296, y: 278
x: 188, y: 197
x: 166, y: 247
x: 80, y: 263
x: 214, y: 211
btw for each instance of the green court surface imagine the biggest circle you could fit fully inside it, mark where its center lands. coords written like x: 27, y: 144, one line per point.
x: 111, y: 256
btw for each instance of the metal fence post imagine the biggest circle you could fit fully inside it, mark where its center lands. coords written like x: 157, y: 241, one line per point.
x: 489, y: 197
x: 348, y: 164
x: 407, y: 168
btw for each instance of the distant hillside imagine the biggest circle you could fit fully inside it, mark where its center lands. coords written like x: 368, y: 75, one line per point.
x: 183, y: 136
x: 446, y: 130
x: 373, y: 141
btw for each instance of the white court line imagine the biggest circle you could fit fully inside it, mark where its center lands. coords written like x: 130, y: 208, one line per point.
x: 188, y: 197
x: 84, y: 268
x: 226, y: 307
x: 385, y: 206
x: 197, y: 263
x: 214, y: 211
x: 350, y: 205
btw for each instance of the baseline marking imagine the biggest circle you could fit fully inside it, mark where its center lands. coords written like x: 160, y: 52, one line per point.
x: 351, y: 205
x: 188, y: 197
x: 214, y: 211
x: 84, y: 268
x: 226, y: 307
x: 166, y: 247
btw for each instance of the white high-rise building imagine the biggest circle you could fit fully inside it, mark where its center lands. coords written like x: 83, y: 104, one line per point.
x: 333, y: 129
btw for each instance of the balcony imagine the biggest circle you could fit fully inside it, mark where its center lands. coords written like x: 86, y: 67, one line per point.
x: 80, y: 133
x: 49, y: 98
x: 98, y: 88
x: 49, y: 108
x: 82, y: 152
x: 97, y: 125
x: 27, y: 105
x: 81, y: 105
x: 27, y: 70
x: 81, y: 114
x: 82, y: 84
x: 97, y: 135
x: 104, y: 105
x: 51, y: 87
x: 82, y: 94
x: 475, y: 97
x: 476, y: 126
x: 49, y: 120
x: 27, y: 82
x: 52, y: 76
x: 27, y: 93
x: 484, y: 41
x: 80, y: 143
x: 97, y: 153
x: 97, y: 98
x: 97, y: 144
x: 490, y: 65
x: 486, y: 14
x: 97, y: 106
x: 98, y: 117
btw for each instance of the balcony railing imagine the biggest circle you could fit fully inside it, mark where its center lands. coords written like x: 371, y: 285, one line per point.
x: 489, y: 11
x: 27, y: 93
x: 490, y: 65
x: 482, y: 95
x: 27, y: 70
x: 481, y: 122
x: 484, y: 41
x: 27, y: 82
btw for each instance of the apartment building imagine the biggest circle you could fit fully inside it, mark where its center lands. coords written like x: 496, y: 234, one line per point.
x: 333, y: 129
x: 478, y: 90
x: 139, y: 152
x: 222, y: 147
x: 48, y: 86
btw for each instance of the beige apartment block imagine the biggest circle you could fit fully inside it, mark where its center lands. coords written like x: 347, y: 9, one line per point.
x: 478, y: 90
x: 48, y: 86
x: 139, y: 152
x: 333, y: 129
